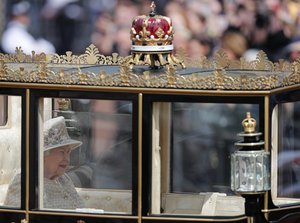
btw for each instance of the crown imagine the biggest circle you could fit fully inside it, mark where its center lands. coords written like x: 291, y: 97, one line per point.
x: 64, y: 104
x: 249, y: 123
x: 152, y: 30
x: 152, y: 38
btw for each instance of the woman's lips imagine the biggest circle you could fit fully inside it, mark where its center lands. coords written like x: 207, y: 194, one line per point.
x: 63, y: 166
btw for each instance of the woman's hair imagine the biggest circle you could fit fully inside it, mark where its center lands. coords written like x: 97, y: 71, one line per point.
x: 46, y: 153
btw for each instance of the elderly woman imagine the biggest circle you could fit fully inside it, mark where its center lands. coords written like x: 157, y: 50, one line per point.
x: 59, y: 191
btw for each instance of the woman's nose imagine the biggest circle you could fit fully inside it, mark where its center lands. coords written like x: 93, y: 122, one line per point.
x: 67, y: 157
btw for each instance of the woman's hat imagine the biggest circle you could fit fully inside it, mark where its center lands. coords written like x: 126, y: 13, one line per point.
x: 56, y: 134
x: 20, y: 8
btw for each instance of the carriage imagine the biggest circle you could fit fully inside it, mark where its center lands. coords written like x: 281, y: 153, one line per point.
x: 156, y: 143
x: 163, y: 138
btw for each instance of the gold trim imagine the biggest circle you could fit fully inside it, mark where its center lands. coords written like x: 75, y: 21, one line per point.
x: 294, y: 76
x: 20, y: 57
x: 140, y: 141
x: 76, y: 214
x: 212, y: 219
x: 218, y: 79
x: 136, y: 90
x: 27, y: 153
x: 218, y: 73
x: 91, y: 56
x: 266, y: 203
x: 13, y: 211
x: 266, y: 139
x: 284, y: 89
x: 250, y: 220
x: 266, y: 120
x: 278, y: 208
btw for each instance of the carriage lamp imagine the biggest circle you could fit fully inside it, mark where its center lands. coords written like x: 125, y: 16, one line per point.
x: 249, y: 171
x: 250, y: 168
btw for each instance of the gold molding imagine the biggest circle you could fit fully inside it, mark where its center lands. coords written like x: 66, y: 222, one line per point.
x: 77, y: 214
x: 217, y: 73
x: 198, y: 219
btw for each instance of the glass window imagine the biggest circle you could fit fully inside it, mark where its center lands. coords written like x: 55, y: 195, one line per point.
x: 285, y: 138
x: 10, y: 152
x: 3, y: 110
x: 192, y: 143
x: 87, y: 158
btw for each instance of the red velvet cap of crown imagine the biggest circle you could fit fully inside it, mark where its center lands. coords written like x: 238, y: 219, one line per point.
x: 153, y: 30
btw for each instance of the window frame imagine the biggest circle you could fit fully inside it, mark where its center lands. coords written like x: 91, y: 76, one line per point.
x: 35, y: 97
x: 22, y: 94
x: 150, y: 99
x: 276, y: 102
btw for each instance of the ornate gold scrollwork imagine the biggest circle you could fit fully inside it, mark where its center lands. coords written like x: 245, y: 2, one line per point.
x: 91, y: 56
x: 3, y: 70
x: 294, y: 77
x: 171, y: 78
x: 42, y: 72
x: 217, y: 73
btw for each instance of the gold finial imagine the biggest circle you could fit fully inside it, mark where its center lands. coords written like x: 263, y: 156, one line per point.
x: 249, y: 123
x: 152, y: 12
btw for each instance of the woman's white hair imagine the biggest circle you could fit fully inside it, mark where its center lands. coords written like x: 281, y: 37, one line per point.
x: 46, y: 153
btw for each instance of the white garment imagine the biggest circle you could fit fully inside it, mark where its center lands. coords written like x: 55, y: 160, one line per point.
x: 58, y: 194
x: 16, y: 35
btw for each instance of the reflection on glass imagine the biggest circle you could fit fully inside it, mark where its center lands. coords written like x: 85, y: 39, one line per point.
x: 195, y: 164
x: 101, y: 167
x: 289, y: 150
x: 10, y: 155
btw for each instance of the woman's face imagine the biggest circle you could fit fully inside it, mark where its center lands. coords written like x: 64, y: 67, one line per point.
x: 56, y: 162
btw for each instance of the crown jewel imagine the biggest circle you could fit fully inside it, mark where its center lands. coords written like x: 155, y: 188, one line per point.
x: 249, y: 123
x: 153, y: 30
x: 152, y: 38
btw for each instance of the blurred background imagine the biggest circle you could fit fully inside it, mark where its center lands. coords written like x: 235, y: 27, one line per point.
x: 240, y: 27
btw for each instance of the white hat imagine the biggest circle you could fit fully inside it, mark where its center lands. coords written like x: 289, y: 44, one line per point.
x: 20, y: 8
x: 293, y: 46
x: 56, y: 134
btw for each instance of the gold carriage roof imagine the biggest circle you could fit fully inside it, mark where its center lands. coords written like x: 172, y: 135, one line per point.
x: 94, y: 69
